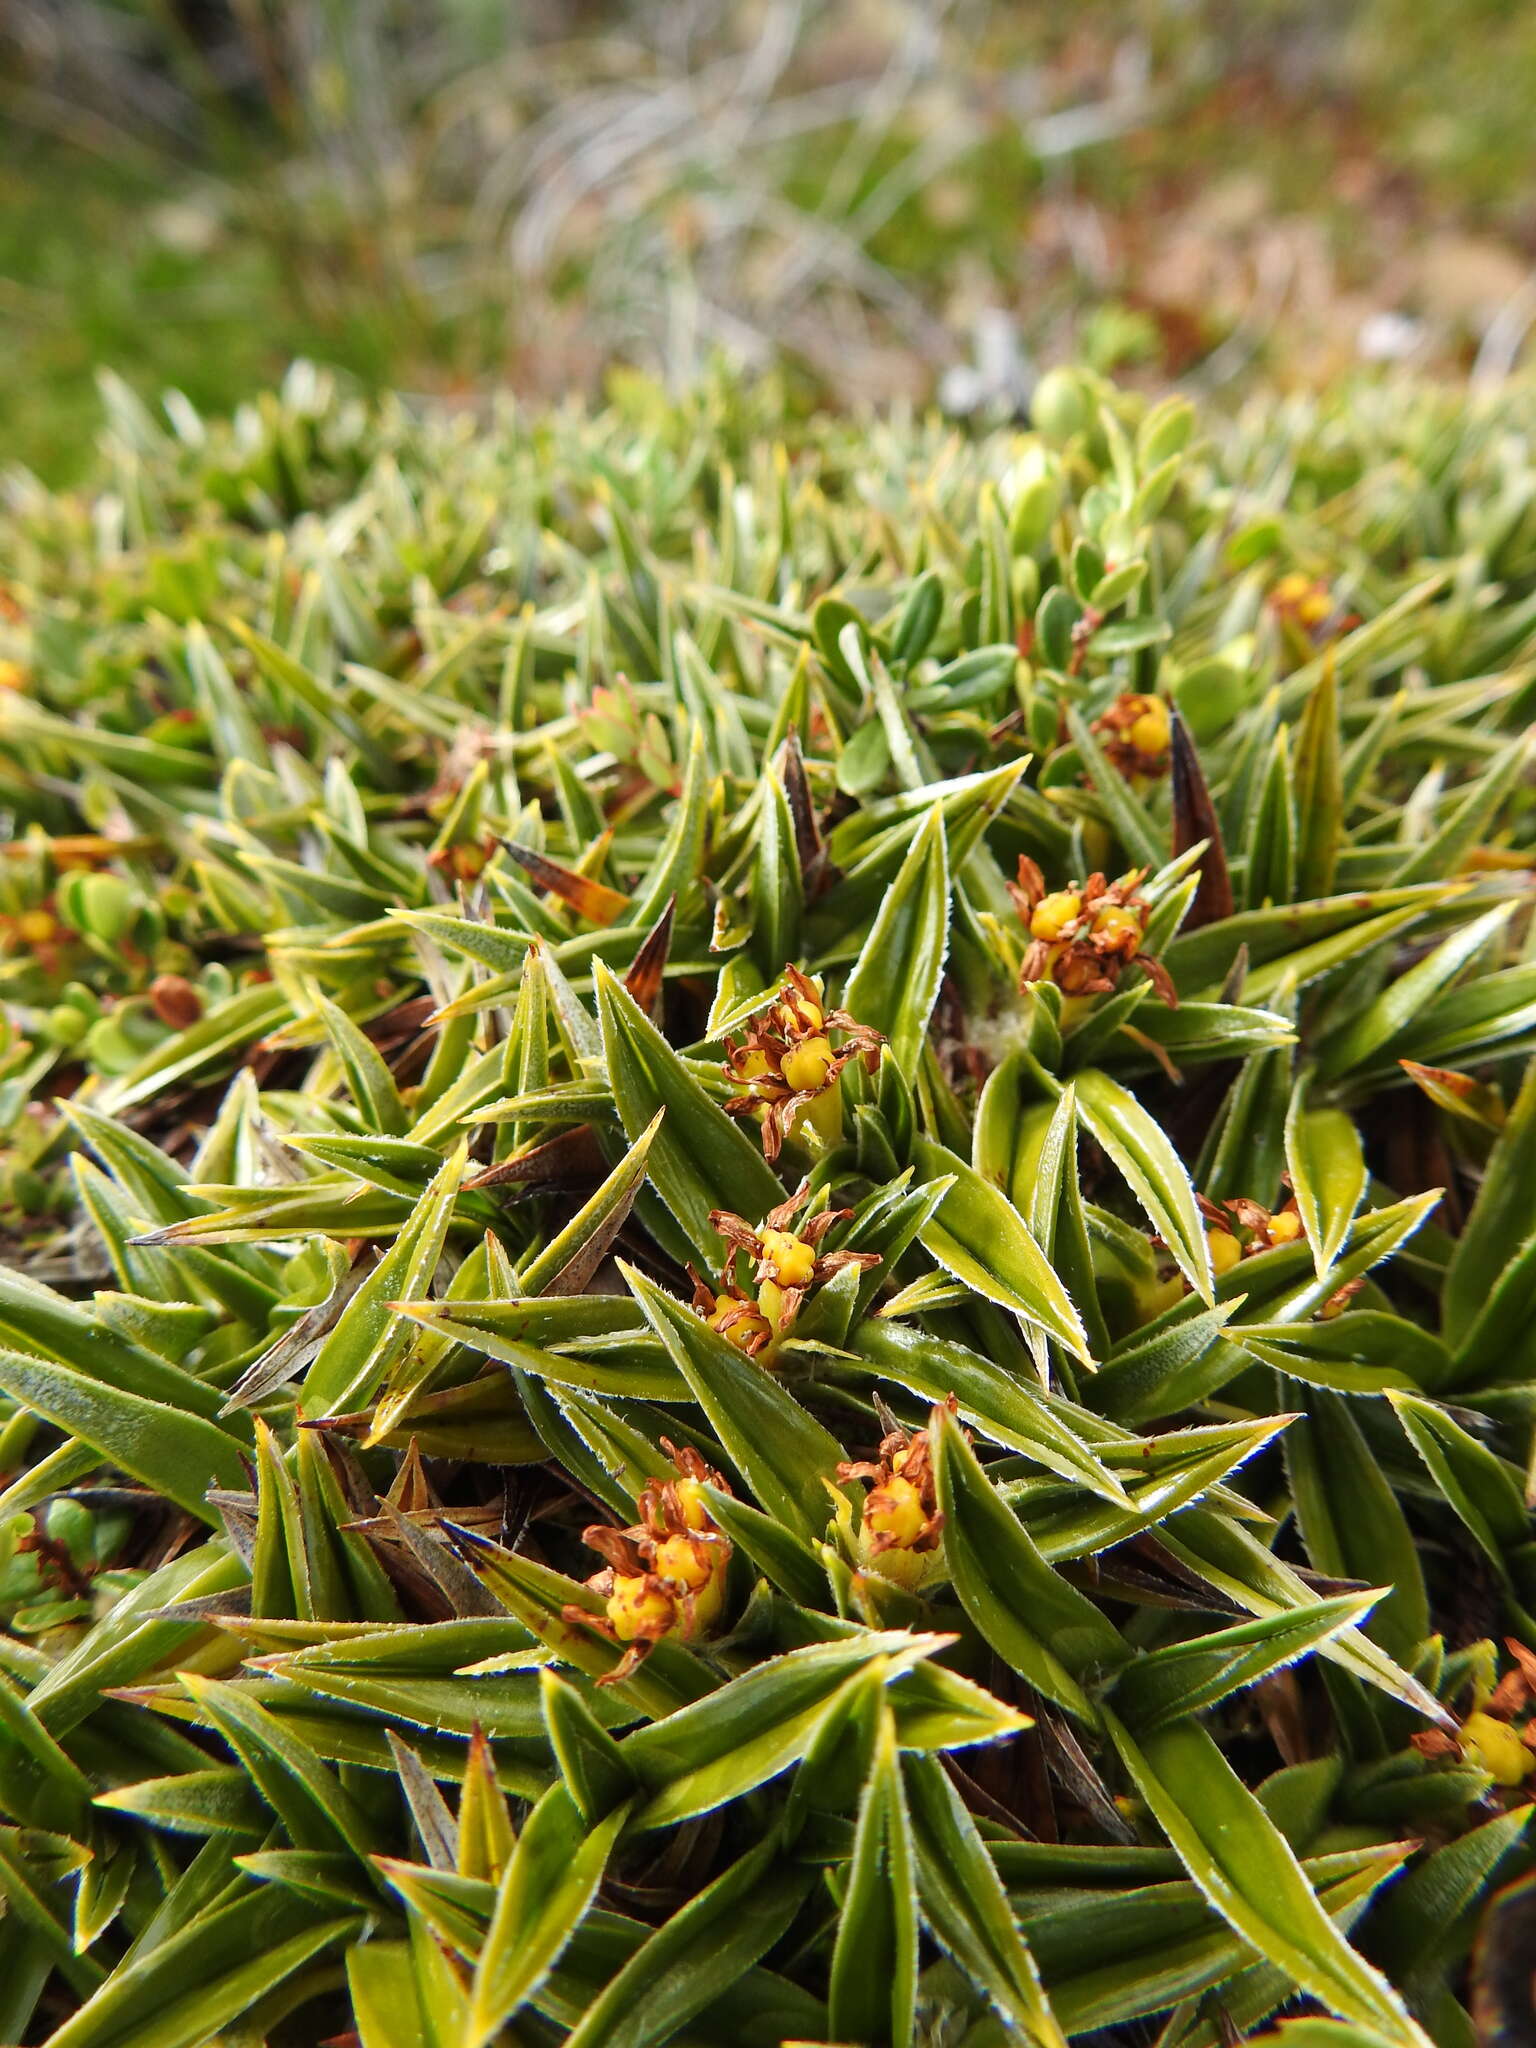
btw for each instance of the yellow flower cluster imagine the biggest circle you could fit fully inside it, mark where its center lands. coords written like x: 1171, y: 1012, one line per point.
x: 665, y: 1576
x: 786, y: 1264
x: 1303, y: 599
x: 1137, y: 731
x: 787, y: 1064
x: 901, y: 1529
x: 1235, y: 1230
x: 1084, y: 937
x: 1499, y: 1734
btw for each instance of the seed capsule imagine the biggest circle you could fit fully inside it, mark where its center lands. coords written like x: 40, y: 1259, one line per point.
x: 1225, y: 1249
x: 896, y: 1512
x: 806, y: 1066
x: 1120, y: 928
x: 176, y: 1002
x: 742, y: 1323
x: 1050, y: 918
x: 1150, y: 733
x: 639, y: 1608
x: 1497, y: 1748
x: 792, y: 1259
x: 692, y: 1508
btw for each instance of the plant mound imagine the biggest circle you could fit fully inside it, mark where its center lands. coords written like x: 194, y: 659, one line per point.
x: 769, y: 1197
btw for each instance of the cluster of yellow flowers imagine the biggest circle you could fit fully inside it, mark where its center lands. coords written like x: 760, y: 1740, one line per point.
x: 1084, y: 937
x: 1499, y: 1735
x: 665, y: 1576
x: 1239, y: 1229
x: 1309, y: 609
x: 786, y: 1264
x: 901, y: 1528
x: 1302, y: 598
x: 1137, y: 732
x: 787, y: 1063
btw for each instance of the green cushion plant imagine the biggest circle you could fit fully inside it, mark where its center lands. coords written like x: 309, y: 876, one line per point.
x: 769, y: 1197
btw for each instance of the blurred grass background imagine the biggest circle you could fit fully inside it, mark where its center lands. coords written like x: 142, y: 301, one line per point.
x: 885, y: 197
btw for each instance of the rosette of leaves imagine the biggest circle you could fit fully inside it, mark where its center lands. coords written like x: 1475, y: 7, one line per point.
x: 1099, y: 1595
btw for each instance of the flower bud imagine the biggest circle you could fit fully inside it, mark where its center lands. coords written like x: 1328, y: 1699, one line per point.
x: 639, y: 1608
x: 108, y: 906
x: 66, y: 1024
x: 806, y: 1066
x: 1059, y: 407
